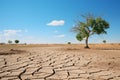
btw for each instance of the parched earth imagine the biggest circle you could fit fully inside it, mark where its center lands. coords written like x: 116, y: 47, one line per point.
x: 58, y: 63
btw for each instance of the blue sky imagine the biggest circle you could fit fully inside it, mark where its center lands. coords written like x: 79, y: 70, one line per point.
x: 50, y: 21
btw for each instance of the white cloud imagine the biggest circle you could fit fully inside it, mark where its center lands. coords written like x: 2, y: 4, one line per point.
x: 11, y: 32
x: 56, y: 23
x: 60, y: 36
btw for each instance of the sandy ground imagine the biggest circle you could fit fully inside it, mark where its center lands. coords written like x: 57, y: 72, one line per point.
x: 60, y: 62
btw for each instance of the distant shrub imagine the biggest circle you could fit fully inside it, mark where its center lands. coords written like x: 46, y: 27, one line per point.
x: 25, y: 43
x: 104, y: 41
x: 69, y: 43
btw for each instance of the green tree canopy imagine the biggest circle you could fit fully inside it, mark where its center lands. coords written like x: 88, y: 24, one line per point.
x: 92, y: 26
x: 9, y: 41
x: 17, y: 41
x: 69, y: 43
x: 104, y: 41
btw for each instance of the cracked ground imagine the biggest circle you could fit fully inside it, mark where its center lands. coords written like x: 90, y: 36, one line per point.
x: 58, y: 63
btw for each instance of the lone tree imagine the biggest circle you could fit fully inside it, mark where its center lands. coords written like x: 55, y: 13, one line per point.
x: 92, y: 25
x: 17, y: 41
x: 104, y: 41
x: 69, y: 43
x: 9, y: 41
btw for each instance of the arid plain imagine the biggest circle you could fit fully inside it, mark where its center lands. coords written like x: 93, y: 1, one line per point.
x: 60, y: 62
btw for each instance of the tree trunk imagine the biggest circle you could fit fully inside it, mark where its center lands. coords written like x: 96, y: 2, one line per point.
x: 86, y: 42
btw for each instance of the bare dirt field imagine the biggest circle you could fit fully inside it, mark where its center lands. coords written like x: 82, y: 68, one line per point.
x: 60, y: 62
